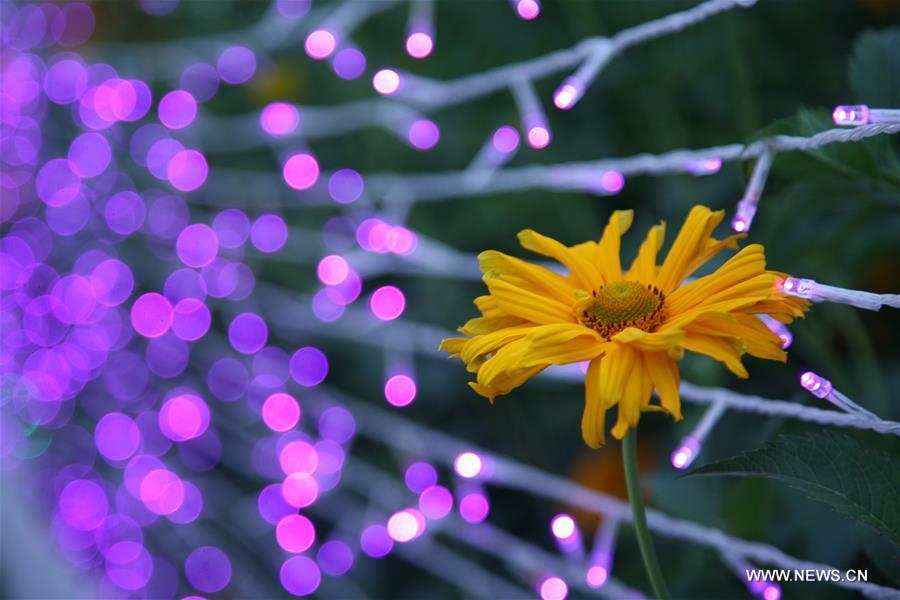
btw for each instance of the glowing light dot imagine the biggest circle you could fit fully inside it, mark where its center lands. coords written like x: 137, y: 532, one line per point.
x: 436, y: 502
x: 686, y: 452
x: 208, y: 569
x: 420, y: 476
x: 386, y: 81
x: 565, y: 97
x: 320, y: 44
x: 563, y: 527
x: 612, y: 181
x: 815, y: 384
x: 553, y: 588
x: 772, y: 592
x: 269, y: 233
x: 301, y: 171
x: 400, y: 390
x: 187, y: 170
x: 117, y: 436
x: 387, y: 303
x: 335, y: 557
x: 349, y: 63
x: 528, y: 9
x: 151, y: 315
x: 300, y: 576
x: 468, y: 465
x: 596, y: 576
x: 375, y: 541
x: 279, y: 118
x: 83, y: 504
x: 184, y: 417
x: 248, y: 333
x: 295, y: 533
x: 197, y: 245
x: 298, y: 457
x: 177, y: 109
x: 474, y: 508
x: 300, y: 490
x: 538, y: 137
x: 281, y: 412
x: 851, y: 115
x: 506, y: 139
x: 403, y: 526
x: 345, y: 186
x: 419, y: 45
x: 332, y: 269
x: 423, y: 134
x: 236, y: 65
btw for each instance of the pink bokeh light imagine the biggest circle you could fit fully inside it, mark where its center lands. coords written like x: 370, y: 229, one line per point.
x: 301, y: 171
x: 320, y: 44
x: 387, y: 303
x: 400, y: 390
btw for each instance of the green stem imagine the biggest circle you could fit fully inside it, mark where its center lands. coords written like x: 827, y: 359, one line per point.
x: 639, y: 516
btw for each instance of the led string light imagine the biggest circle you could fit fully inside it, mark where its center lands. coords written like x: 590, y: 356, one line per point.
x: 567, y: 536
x: 819, y: 292
x: 377, y: 424
x: 860, y: 114
x: 767, y: 590
x: 496, y: 151
x: 527, y: 10
x: 746, y: 208
x: 821, y: 387
x: 207, y: 253
x: 534, y: 121
x: 690, y: 446
x: 420, y: 28
x: 335, y: 29
x: 779, y: 329
x: 358, y: 325
x: 601, y: 560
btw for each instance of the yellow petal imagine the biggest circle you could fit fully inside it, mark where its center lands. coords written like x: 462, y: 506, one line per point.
x: 491, y: 342
x: 663, y: 372
x: 738, y: 296
x: 690, y: 242
x: 483, y: 325
x: 526, y: 275
x: 650, y: 342
x: 724, y: 349
x: 453, y: 346
x: 504, y: 384
x: 644, y: 266
x: 529, y: 304
x: 593, y: 420
x: 560, y: 344
x: 710, y: 249
x: 758, y: 339
x: 583, y: 271
x: 609, y: 249
x: 746, y: 264
x: 619, y: 377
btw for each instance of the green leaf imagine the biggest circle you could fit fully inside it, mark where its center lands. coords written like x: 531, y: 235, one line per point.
x: 852, y: 478
x: 875, y: 69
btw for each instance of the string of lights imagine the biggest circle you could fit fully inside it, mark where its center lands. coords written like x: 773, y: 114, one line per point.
x: 127, y: 367
x: 416, y: 439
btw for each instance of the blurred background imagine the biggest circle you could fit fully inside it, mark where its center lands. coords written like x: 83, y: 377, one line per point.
x: 176, y: 497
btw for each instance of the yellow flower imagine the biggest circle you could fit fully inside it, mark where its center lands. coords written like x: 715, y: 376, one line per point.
x: 632, y: 325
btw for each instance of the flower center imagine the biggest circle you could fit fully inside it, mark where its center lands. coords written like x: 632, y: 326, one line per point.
x: 623, y: 304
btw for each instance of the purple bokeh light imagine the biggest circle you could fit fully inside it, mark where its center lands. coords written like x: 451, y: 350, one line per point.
x: 269, y: 233
x: 236, y: 64
x: 208, y: 569
x: 248, y: 333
